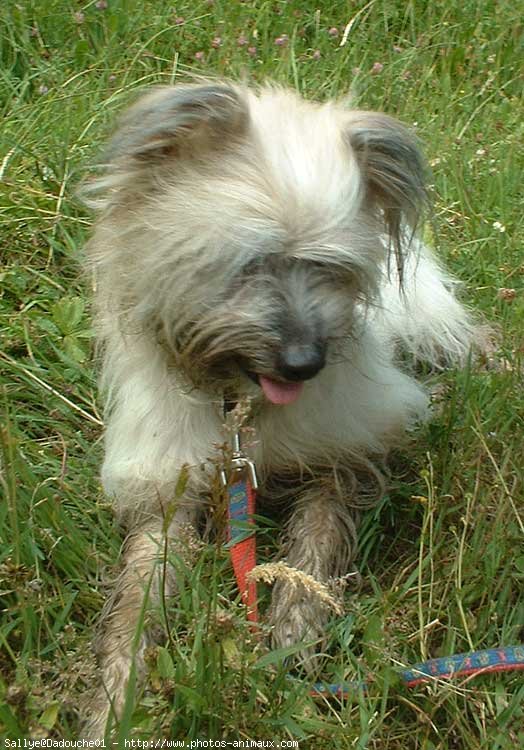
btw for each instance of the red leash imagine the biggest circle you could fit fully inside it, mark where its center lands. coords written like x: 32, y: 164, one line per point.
x: 241, y: 484
x: 242, y: 540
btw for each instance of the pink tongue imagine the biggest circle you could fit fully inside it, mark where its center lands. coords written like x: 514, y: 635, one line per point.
x: 280, y: 393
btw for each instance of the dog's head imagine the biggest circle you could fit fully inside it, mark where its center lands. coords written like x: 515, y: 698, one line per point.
x: 249, y: 230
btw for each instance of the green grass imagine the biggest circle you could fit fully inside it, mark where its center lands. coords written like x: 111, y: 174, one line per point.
x: 443, y: 556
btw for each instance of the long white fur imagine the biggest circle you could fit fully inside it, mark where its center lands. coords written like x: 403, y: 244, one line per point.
x: 363, y: 403
x: 171, y: 238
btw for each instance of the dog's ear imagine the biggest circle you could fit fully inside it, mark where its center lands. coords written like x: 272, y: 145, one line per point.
x: 166, y: 119
x: 394, y: 173
x: 166, y: 123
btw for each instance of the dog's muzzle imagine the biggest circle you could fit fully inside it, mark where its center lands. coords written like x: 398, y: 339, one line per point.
x: 298, y: 362
x: 295, y: 364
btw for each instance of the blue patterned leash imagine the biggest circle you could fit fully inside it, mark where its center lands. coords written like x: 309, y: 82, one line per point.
x: 474, y: 663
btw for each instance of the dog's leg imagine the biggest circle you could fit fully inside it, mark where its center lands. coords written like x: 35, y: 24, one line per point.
x: 322, y: 542
x: 123, y: 639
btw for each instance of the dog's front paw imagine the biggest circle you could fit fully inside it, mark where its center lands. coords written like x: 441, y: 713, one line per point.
x: 298, y: 617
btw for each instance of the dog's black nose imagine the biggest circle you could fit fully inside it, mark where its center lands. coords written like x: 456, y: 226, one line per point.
x: 301, y: 361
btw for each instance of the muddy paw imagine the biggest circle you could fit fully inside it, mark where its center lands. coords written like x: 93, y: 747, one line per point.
x: 297, y: 617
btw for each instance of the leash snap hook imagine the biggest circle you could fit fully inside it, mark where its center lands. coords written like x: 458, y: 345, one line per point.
x: 240, y: 464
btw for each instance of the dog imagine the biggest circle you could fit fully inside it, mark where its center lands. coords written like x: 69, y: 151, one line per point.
x: 251, y: 244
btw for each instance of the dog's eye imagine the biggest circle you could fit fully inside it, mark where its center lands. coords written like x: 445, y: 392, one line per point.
x: 252, y: 268
x: 318, y: 265
x: 331, y: 271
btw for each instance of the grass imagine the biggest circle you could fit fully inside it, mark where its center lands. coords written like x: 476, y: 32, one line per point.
x: 442, y: 556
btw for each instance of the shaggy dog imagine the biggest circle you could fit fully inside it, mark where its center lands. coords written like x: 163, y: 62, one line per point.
x: 252, y: 244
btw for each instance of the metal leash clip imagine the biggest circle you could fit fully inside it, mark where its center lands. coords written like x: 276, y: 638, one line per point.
x: 239, y: 463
